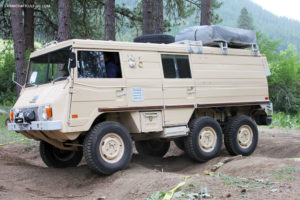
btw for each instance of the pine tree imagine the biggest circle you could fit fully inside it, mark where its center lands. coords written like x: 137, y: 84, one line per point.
x: 19, y: 42
x: 64, y: 20
x: 152, y: 17
x: 205, y: 12
x: 110, y: 20
x: 29, y: 25
x: 245, y: 20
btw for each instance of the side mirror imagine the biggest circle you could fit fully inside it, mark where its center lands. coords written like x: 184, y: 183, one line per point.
x: 72, y: 60
x: 33, y: 77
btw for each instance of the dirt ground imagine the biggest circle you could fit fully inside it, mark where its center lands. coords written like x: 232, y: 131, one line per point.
x: 267, y: 174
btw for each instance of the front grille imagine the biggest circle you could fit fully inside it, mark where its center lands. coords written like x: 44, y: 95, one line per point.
x: 19, y: 118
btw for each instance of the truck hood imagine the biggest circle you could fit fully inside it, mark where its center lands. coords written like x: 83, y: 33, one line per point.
x: 47, y: 94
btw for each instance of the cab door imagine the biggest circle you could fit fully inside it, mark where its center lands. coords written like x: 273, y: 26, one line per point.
x: 96, y: 86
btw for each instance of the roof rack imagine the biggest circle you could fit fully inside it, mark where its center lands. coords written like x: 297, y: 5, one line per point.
x: 192, y: 46
x: 54, y: 42
x: 255, y: 50
x: 224, y: 47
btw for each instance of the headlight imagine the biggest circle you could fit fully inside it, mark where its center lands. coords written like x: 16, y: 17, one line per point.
x: 46, y: 112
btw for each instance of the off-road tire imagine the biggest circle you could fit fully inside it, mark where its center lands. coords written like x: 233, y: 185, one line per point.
x: 156, y: 148
x: 91, y: 148
x: 179, y: 142
x: 231, y: 133
x: 191, y: 142
x: 155, y: 38
x: 56, y: 158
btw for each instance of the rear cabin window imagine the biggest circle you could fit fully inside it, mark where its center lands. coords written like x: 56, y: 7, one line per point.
x: 176, y: 66
x: 99, y: 64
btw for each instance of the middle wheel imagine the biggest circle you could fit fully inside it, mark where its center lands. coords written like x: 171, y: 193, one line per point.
x: 205, y: 139
x: 156, y: 148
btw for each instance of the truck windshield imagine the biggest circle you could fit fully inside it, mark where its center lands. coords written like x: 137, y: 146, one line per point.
x: 49, y: 67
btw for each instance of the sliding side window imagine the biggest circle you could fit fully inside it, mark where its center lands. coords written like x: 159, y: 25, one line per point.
x: 99, y: 64
x: 176, y: 66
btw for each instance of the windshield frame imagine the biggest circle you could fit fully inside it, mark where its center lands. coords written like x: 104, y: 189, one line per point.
x: 29, y: 67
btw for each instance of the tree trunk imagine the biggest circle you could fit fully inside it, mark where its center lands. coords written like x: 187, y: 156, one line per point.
x: 158, y: 16
x: 147, y: 17
x: 110, y: 16
x: 153, y: 17
x: 29, y: 25
x: 19, y: 42
x: 205, y: 12
x: 64, y: 20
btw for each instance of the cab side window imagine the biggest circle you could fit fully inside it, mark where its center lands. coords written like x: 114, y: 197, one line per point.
x: 99, y: 64
x: 176, y: 66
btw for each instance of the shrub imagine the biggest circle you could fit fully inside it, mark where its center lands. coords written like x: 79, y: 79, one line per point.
x: 284, y: 82
x: 7, y: 87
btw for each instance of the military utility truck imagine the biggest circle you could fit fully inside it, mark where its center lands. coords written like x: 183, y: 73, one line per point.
x: 184, y: 92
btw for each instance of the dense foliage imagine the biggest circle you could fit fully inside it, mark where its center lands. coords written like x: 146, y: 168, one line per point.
x: 7, y: 67
x: 284, y: 82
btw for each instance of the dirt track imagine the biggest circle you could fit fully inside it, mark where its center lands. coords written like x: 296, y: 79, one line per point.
x: 24, y: 176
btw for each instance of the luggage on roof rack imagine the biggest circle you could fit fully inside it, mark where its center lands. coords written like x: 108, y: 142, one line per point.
x: 214, y: 35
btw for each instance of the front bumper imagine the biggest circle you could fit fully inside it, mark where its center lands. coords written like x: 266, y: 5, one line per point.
x: 36, y: 125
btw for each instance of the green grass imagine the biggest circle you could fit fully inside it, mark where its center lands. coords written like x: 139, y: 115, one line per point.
x: 244, y: 183
x: 286, y: 121
x: 285, y: 173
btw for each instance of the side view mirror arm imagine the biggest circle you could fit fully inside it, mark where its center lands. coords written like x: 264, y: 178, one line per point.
x: 13, y: 80
x: 69, y: 69
x: 71, y: 63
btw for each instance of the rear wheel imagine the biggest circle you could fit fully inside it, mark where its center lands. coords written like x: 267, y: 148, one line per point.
x: 107, y: 148
x: 241, y: 136
x: 57, y: 158
x: 156, y: 148
x: 205, y: 139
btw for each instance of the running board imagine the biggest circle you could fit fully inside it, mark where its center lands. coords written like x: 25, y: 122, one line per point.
x: 177, y: 131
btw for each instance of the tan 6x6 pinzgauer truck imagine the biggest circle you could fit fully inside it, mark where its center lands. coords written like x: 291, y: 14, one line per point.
x: 93, y: 98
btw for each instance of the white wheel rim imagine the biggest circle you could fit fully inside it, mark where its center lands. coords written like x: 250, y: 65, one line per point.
x: 207, y: 139
x: 111, y: 148
x: 245, y: 136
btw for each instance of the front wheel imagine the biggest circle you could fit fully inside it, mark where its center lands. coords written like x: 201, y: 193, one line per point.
x: 205, y: 139
x: 57, y: 158
x: 107, y: 148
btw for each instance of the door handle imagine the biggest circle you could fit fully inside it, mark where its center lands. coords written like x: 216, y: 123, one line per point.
x: 151, y: 115
x: 121, y: 92
x: 192, y: 90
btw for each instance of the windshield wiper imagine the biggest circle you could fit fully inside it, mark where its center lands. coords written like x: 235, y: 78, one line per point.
x: 59, y: 79
x: 31, y: 84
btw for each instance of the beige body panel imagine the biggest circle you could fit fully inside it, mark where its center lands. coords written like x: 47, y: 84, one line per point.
x: 230, y: 78
x: 177, y: 116
x: 217, y: 81
x: 146, y: 74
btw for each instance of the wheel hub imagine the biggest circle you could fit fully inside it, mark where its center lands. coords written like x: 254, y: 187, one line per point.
x: 111, y: 148
x: 207, y: 139
x: 245, y: 136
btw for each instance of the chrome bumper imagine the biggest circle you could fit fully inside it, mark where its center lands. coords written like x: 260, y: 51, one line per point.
x: 36, y: 125
x: 268, y: 108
